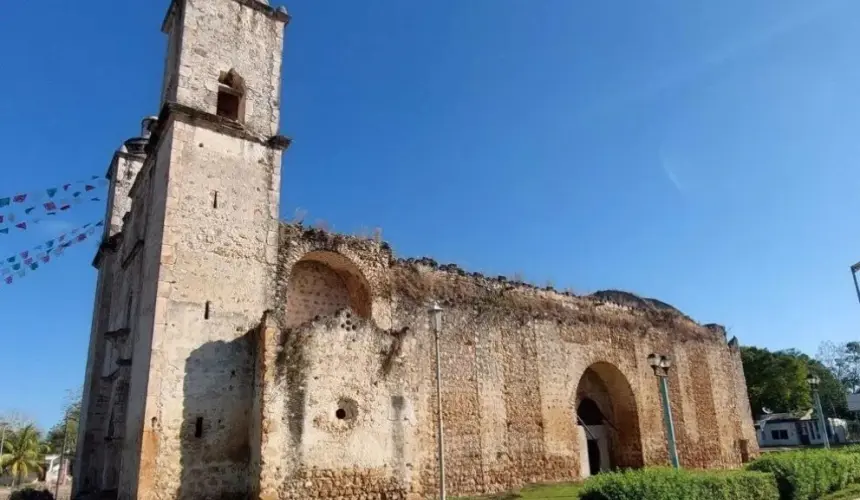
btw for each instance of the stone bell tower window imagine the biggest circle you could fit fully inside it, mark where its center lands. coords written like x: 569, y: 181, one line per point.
x: 231, y: 96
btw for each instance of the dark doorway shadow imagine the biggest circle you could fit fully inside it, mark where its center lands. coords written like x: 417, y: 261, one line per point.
x: 593, y: 457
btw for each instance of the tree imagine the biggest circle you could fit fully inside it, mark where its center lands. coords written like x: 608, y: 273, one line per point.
x: 831, y: 391
x: 843, y: 360
x: 13, y: 420
x: 67, y: 428
x: 23, y: 452
x: 776, y: 381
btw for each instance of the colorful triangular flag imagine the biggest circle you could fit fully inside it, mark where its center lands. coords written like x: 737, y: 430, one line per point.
x: 51, y: 192
x: 28, y: 210
x: 22, y: 225
x: 19, y: 198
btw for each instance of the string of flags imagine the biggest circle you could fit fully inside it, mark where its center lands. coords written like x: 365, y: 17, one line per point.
x: 88, y: 184
x: 20, y: 264
x: 38, y: 205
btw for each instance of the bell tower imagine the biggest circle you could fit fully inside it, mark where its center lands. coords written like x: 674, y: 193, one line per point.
x: 226, y: 61
x: 198, y: 250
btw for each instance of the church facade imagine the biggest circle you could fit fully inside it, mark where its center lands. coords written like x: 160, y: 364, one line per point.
x: 233, y: 355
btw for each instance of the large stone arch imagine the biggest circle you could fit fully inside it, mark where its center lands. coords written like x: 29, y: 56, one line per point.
x: 322, y: 283
x: 603, y: 387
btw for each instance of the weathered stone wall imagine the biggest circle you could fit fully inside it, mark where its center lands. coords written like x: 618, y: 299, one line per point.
x: 215, y: 273
x: 145, y: 230
x: 220, y: 35
x: 356, y: 416
x: 99, y: 396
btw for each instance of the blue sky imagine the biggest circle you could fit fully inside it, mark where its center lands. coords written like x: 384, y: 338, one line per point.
x: 704, y: 153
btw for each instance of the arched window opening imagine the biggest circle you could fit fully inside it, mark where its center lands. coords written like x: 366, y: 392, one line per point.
x: 323, y: 283
x: 231, y: 96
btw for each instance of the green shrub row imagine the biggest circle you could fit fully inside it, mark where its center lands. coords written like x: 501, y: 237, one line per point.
x: 670, y: 484
x: 810, y: 474
x: 794, y: 475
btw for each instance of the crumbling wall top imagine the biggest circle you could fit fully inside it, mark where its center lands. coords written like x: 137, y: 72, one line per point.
x: 419, y: 281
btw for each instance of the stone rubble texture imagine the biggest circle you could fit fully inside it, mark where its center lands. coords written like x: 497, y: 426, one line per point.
x: 235, y: 356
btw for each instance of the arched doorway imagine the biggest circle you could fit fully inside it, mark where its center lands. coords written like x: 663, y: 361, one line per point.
x: 607, y: 421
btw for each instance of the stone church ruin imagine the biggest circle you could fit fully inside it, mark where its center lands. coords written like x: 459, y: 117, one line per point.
x: 236, y: 356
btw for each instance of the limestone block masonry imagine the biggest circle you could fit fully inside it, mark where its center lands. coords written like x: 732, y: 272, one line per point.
x: 235, y: 356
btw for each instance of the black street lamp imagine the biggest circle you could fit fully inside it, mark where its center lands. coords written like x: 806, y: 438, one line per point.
x: 661, y: 364
x: 814, y: 382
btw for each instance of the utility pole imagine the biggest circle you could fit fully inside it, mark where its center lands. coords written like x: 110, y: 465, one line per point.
x: 854, y: 269
x: 3, y: 443
x: 62, y: 455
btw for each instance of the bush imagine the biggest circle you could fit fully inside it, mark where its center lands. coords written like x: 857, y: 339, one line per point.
x: 31, y: 494
x: 670, y: 484
x: 806, y: 475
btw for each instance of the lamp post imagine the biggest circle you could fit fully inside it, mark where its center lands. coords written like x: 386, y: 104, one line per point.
x: 813, y: 382
x: 661, y: 364
x: 436, y: 323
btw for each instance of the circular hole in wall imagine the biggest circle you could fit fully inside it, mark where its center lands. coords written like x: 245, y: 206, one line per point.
x: 347, y: 409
